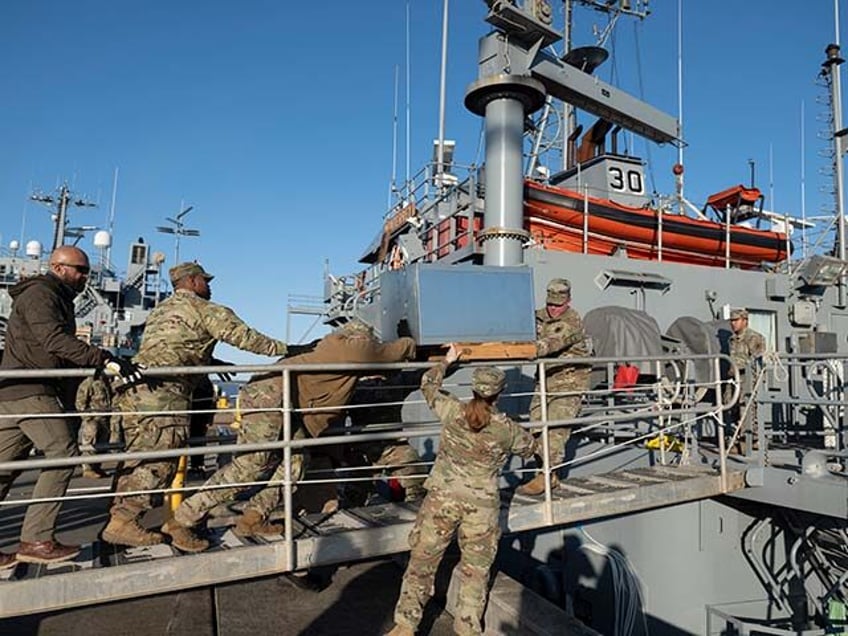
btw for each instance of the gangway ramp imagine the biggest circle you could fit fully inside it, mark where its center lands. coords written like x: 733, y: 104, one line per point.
x: 102, y: 574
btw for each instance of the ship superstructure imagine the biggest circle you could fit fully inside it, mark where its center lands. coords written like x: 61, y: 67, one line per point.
x: 113, y: 308
x: 773, y: 555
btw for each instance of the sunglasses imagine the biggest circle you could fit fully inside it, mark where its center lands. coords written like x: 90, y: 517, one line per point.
x: 82, y: 269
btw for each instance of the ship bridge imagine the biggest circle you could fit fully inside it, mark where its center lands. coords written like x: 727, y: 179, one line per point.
x: 661, y: 440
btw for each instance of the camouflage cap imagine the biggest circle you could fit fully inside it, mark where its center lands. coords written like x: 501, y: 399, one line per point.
x: 487, y: 381
x: 738, y: 313
x: 178, y: 272
x: 559, y: 291
x: 357, y: 327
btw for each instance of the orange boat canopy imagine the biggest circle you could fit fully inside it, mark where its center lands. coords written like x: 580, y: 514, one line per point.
x: 734, y: 198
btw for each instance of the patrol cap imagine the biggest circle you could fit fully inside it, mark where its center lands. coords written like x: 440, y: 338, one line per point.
x: 738, y: 313
x: 559, y: 291
x: 355, y: 327
x: 487, y: 381
x: 178, y: 272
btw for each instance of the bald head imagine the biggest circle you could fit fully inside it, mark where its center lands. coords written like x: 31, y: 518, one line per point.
x: 70, y: 265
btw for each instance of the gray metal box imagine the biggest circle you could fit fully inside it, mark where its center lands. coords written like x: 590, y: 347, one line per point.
x: 459, y: 303
x: 817, y: 342
x: 802, y: 313
x: 777, y: 288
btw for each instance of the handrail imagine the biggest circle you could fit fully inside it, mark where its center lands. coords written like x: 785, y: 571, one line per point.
x: 640, y: 413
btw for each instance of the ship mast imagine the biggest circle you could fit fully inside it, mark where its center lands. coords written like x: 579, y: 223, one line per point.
x: 60, y: 219
x: 614, y: 10
x: 179, y: 228
x: 440, y: 157
x: 830, y: 71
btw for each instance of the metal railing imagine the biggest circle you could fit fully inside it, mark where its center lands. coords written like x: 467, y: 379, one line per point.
x: 800, y: 401
x: 623, y: 416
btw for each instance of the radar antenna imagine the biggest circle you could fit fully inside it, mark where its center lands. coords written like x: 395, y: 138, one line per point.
x: 60, y: 218
x: 178, y: 230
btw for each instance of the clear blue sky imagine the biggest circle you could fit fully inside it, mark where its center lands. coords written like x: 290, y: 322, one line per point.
x: 274, y: 119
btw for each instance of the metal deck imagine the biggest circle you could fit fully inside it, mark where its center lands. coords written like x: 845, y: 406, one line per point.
x: 102, y: 573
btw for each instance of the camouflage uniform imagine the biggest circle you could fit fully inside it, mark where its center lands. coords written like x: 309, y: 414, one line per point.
x: 181, y: 331
x: 562, y: 337
x: 403, y: 457
x: 745, y: 347
x: 462, y: 499
x: 385, y: 397
x: 351, y: 343
x: 95, y: 396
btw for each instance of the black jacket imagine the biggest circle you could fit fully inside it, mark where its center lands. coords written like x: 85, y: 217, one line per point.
x: 41, y: 334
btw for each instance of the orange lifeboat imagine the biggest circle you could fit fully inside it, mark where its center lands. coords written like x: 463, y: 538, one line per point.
x: 555, y: 217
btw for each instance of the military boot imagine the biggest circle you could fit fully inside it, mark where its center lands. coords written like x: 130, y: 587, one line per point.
x: 92, y: 472
x: 536, y: 486
x: 401, y: 630
x: 415, y: 492
x: 183, y: 538
x: 331, y: 506
x: 252, y: 524
x: 129, y: 532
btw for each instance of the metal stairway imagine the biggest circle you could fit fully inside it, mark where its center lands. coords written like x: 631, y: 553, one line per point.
x: 102, y: 573
x: 824, y: 551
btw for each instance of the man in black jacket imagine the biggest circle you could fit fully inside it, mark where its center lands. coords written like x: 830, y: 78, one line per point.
x: 41, y: 334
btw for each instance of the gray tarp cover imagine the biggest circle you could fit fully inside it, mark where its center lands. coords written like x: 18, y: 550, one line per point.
x: 623, y: 332
x: 699, y: 337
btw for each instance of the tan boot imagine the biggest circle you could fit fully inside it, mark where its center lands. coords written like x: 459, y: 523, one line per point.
x: 252, y: 524
x: 129, y: 532
x: 415, y: 491
x: 536, y: 486
x: 401, y: 630
x: 183, y: 537
x: 91, y: 472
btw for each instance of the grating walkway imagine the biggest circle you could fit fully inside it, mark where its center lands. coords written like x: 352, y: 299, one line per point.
x: 103, y: 573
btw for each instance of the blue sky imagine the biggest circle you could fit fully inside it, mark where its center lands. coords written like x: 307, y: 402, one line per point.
x: 274, y: 119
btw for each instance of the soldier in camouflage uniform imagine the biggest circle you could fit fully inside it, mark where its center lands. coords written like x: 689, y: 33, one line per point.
x: 95, y: 396
x: 746, y: 345
x: 181, y: 331
x: 462, y: 498
x: 397, y: 458
x: 559, y: 334
x: 354, y: 342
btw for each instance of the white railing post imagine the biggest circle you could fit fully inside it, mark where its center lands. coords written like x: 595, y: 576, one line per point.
x: 546, y: 443
x: 287, y: 484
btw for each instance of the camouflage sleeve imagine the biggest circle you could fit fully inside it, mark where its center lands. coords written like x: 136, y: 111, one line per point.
x: 523, y: 443
x: 442, y: 403
x: 564, y: 338
x: 223, y: 324
x: 758, y: 346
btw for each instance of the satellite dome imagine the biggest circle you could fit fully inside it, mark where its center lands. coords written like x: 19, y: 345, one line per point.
x: 33, y: 249
x: 102, y: 239
x: 14, y: 245
x: 158, y: 258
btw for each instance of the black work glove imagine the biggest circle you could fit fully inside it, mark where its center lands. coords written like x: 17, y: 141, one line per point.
x: 297, y: 349
x: 223, y: 376
x: 403, y: 330
x: 126, y: 371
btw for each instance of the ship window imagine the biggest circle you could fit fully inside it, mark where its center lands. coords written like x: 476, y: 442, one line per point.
x: 139, y: 255
x: 765, y: 322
